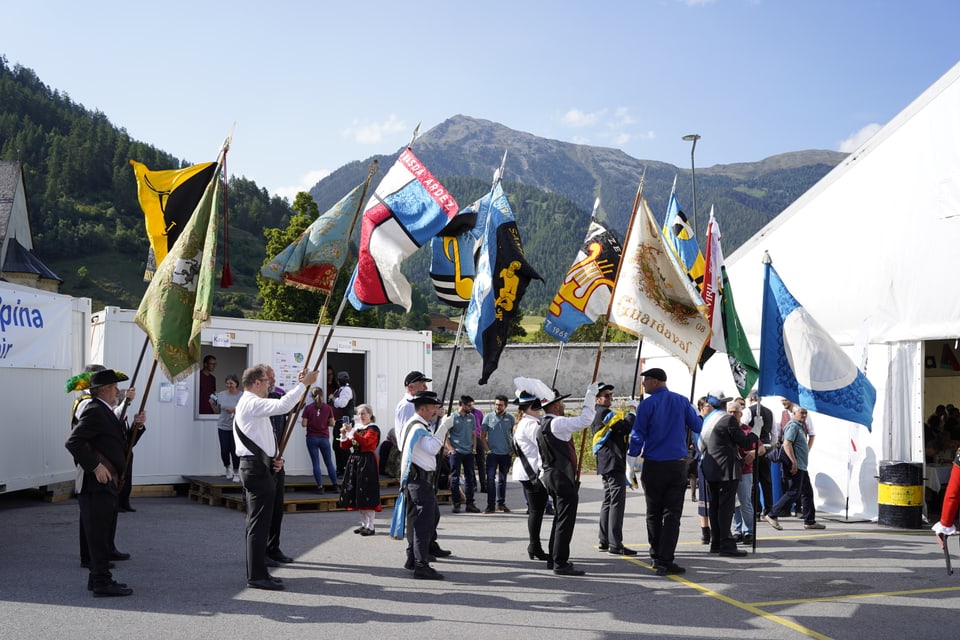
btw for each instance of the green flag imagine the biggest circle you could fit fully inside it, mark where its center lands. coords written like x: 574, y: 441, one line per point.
x: 728, y: 336
x: 178, y: 301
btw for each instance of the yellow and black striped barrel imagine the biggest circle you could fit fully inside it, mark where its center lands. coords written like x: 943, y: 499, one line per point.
x: 900, y: 494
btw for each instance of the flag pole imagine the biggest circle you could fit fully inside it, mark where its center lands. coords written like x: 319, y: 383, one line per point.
x: 606, y: 318
x: 453, y: 356
x: 132, y: 438
x: 291, y: 418
x: 136, y: 372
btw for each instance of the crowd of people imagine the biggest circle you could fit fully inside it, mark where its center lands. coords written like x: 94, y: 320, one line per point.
x: 714, y: 448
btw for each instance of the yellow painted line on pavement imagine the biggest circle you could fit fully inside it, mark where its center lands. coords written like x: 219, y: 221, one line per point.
x: 755, y: 610
x: 855, y: 596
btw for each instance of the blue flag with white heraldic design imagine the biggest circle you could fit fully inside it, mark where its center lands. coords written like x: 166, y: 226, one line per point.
x: 800, y: 361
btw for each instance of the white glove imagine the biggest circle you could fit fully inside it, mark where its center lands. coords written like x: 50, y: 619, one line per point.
x: 590, y: 397
x: 945, y: 531
x: 757, y: 425
x: 633, y: 403
x: 633, y: 466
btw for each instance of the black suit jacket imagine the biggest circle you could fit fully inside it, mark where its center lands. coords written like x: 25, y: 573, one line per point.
x: 721, y: 458
x: 99, y: 427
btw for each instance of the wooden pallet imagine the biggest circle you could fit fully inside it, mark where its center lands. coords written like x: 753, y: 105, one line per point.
x: 296, y: 503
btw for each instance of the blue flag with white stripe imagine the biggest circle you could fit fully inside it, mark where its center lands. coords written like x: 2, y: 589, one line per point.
x: 800, y: 361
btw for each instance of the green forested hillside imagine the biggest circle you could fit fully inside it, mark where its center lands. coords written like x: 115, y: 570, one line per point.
x: 88, y: 227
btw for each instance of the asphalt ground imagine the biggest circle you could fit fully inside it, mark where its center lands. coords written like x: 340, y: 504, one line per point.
x: 852, y: 580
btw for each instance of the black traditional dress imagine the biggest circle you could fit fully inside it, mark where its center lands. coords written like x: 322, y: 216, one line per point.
x: 360, y: 488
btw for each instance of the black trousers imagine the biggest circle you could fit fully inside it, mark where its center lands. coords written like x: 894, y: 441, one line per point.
x: 84, y: 548
x: 761, y: 468
x: 723, y: 501
x: 664, y: 485
x: 98, y: 518
x: 536, y: 495
x: 261, y: 487
x: 566, y: 500
x: 276, y: 517
x: 423, y: 514
x: 612, y: 507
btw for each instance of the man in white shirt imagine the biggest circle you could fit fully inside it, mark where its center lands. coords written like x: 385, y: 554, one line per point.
x: 419, y: 464
x: 258, y: 451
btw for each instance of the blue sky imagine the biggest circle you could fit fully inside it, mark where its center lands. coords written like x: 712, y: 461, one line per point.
x: 314, y: 85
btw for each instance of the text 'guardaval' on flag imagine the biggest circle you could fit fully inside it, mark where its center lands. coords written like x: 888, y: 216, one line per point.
x: 453, y: 262
x: 178, y: 301
x: 168, y: 198
x: 584, y: 294
x: 800, y: 361
x: 728, y: 336
x: 408, y: 208
x: 653, y: 298
x: 313, y: 260
x: 503, y: 274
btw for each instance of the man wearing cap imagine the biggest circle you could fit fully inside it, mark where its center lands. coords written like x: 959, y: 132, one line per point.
x: 722, y: 469
x: 418, y: 465
x: 98, y: 445
x: 610, y: 433
x: 558, y: 458
x: 260, y: 462
x: 414, y: 382
x: 660, y: 434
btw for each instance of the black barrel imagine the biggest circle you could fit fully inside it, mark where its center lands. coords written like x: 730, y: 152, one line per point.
x: 900, y: 494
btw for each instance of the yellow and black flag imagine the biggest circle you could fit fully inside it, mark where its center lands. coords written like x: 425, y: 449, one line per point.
x: 168, y: 199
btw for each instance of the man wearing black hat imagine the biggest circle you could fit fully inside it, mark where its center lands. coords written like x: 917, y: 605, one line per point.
x: 414, y: 382
x: 98, y: 444
x: 610, y: 433
x: 418, y: 465
x: 558, y: 458
x: 660, y: 434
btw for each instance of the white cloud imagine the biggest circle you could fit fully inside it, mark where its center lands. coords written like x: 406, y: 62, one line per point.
x: 858, y: 138
x: 578, y: 119
x: 306, y: 182
x: 363, y: 132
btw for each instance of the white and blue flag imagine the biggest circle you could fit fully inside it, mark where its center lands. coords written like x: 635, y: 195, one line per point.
x: 800, y: 361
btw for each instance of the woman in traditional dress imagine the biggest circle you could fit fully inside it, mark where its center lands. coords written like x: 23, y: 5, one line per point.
x: 360, y: 485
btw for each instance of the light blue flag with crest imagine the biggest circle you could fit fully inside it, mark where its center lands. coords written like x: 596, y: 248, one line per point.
x: 800, y: 361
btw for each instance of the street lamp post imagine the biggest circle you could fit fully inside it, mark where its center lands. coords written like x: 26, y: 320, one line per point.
x: 693, y: 137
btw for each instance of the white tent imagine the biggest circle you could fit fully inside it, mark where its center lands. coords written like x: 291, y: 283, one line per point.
x: 869, y: 251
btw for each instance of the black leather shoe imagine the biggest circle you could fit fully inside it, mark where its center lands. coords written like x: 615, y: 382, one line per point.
x: 279, y: 556
x: 265, y: 583
x: 603, y: 547
x: 119, y: 555
x: 112, y: 590
x: 90, y: 584
x: 537, y: 554
x: 424, y: 571
x: 668, y: 568
x: 359, y: 530
x: 622, y: 551
x: 437, y: 551
x: 549, y: 563
x: 410, y: 564
x: 732, y: 553
x: 368, y: 532
x: 569, y: 570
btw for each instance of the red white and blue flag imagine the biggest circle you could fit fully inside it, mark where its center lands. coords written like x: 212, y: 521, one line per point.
x: 408, y: 208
